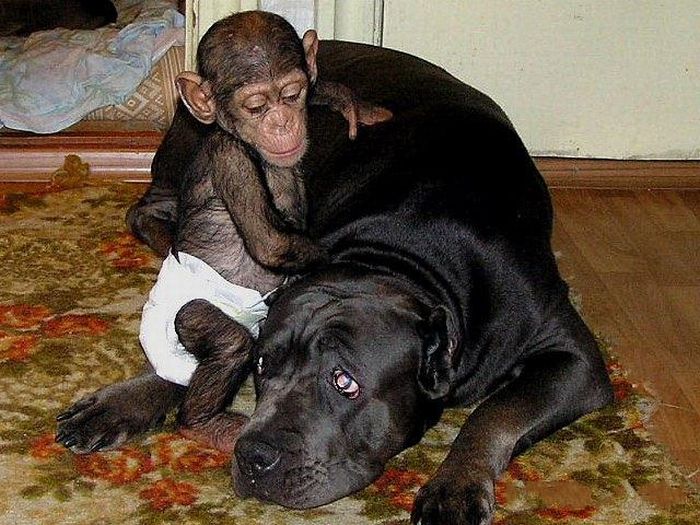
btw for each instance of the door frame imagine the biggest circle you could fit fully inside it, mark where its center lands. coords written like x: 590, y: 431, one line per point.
x: 352, y: 20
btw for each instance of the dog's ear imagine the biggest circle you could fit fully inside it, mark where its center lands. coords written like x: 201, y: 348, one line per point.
x: 436, y: 368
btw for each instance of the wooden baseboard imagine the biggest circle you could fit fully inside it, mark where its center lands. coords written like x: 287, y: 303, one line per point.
x: 619, y: 174
x: 126, y: 154
x: 122, y: 154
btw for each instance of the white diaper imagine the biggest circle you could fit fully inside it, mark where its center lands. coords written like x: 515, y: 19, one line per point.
x: 178, y: 283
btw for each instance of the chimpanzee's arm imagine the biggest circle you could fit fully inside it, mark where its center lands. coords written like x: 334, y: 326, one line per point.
x: 288, y: 192
x: 236, y: 181
x: 340, y: 98
x: 223, y: 348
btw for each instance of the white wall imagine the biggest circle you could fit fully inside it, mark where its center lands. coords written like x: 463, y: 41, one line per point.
x: 588, y: 78
x: 299, y: 13
x: 353, y: 20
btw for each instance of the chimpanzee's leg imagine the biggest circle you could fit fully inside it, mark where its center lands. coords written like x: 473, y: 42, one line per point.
x: 153, y: 218
x: 223, y: 348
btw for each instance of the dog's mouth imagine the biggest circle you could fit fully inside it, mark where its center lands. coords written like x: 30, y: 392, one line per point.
x: 293, y: 490
x: 301, y: 487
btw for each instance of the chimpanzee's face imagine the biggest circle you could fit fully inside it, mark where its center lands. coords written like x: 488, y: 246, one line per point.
x: 271, y: 116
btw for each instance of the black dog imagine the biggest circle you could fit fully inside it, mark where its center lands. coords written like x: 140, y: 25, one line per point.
x: 442, y: 291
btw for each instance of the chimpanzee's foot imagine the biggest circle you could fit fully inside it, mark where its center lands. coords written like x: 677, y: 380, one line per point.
x: 220, y: 432
x: 113, y: 415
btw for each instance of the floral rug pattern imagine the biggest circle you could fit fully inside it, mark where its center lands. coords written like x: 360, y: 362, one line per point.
x: 72, y: 285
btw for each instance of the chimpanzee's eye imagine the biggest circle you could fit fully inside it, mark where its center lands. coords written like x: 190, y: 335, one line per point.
x: 255, y: 104
x: 256, y: 110
x: 345, y: 384
x: 291, y: 92
x: 292, y: 97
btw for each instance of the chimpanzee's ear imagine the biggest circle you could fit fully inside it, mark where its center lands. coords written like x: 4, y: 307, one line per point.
x: 310, y: 43
x: 196, y: 93
x: 436, y: 369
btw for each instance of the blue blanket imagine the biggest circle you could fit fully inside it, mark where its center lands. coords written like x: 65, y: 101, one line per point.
x: 52, y: 79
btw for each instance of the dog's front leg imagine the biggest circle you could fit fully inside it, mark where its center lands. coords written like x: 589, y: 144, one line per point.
x: 108, y: 418
x: 553, y: 389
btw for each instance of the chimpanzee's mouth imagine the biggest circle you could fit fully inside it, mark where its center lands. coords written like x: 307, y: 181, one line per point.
x: 285, y: 158
x: 289, y: 153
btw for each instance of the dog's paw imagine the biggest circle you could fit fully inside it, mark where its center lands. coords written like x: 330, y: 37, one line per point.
x: 444, y: 501
x: 105, y: 420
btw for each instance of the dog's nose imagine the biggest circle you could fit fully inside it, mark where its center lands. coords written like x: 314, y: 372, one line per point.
x: 255, y: 456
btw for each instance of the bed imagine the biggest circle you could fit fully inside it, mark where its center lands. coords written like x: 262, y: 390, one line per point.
x: 51, y: 79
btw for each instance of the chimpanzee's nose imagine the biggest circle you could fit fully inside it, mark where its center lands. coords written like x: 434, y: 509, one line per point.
x: 255, y: 456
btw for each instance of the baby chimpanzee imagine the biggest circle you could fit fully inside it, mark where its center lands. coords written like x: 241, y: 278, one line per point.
x: 230, y: 230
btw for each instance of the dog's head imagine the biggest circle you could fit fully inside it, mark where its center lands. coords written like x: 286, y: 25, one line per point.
x: 350, y: 371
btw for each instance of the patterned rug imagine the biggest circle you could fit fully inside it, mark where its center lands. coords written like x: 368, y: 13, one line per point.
x: 71, y: 289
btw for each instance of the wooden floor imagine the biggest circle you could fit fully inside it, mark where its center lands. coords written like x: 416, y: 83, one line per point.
x: 634, y: 256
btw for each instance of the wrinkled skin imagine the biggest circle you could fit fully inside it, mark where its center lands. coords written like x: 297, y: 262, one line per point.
x: 346, y: 443
x: 308, y: 443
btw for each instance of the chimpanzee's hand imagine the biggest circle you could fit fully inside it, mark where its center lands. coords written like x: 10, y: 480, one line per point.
x: 302, y: 255
x: 341, y: 98
x: 369, y: 114
x: 454, y: 500
x: 361, y: 112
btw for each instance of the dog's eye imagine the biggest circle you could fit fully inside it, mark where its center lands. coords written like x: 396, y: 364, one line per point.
x: 260, y: 365
x: 345, y: 384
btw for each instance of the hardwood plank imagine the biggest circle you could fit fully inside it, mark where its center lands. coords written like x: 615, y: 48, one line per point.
x: 590, y: 291
x: 666, y: 233
x: 687, y: 380
x: 669, y: 210
x: 692, y: 200
x: 684, y: 302
x: 645, y: 306
x: 633, y: 256
x: 600, y: 237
